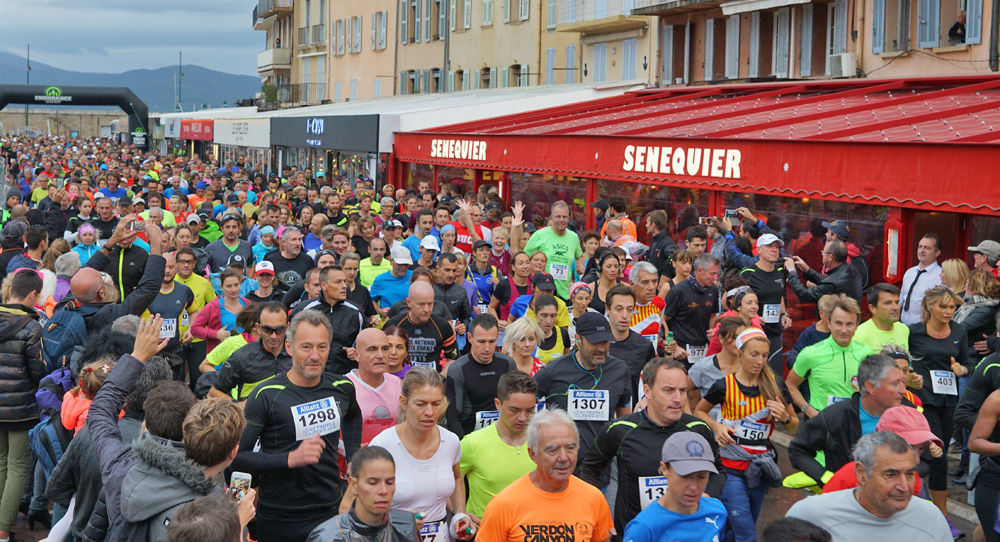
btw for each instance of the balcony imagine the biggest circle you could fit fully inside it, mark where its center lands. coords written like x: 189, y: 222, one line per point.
x: 301, y: 93
x: 672, y: 7
x: 319, y: 34
x: 314, y: 36
x: 267, y: 8
x: 599, y: 16
x: 273, y: 59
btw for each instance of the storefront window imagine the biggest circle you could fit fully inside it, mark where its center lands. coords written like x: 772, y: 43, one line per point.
x: 539, y: 192
x: 799, y: 222
x: 980, y: 229
x: 414, y: 173
x: 447, y: 175
x: 683, y: 205
x: 350, y: 166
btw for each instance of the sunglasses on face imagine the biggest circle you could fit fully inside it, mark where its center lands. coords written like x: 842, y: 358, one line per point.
x: 269, y: 330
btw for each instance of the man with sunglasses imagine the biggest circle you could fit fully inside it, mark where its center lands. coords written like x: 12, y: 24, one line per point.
x: 171, y: 303
x: 258, y: 360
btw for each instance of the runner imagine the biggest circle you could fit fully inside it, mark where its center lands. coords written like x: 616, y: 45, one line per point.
x: 256, y: 361
x: 431, y: 337
x: 471, y: 386
x: 171, y: 303
x: 345, y: 317
x: 561, y: 247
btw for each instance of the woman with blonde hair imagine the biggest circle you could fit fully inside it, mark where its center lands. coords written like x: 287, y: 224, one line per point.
x: 521, y: 340
x: 940, y: 353
x: 954, y: 273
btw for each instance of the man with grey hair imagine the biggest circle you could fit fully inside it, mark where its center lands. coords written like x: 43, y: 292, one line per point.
x: 128, y: 324
x: 882, y: 507
x: 561, y: 247
x: 832, y: 432
x: 290, y: 263
x: 570, y: 505
x: 299, y: 417
x: 690, y: 310
x: 648, y: 306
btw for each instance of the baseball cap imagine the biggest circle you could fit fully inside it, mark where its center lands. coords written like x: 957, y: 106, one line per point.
x: 203, y: 216
x: 232, y: 198
x: 543, y: 281
x: 392, y: 224
x: 15, y: 230
x: 601, y: 204
x: 400, y: 254
x: 767, y: 239
x: 237, y: 259
x: 193, y: 219
x: 594, y: 327
x: 264, y: 267
x: 908, y: 423
x: 687, y: 452
x: 529, y: 228
x: 838, y: 227
x: 125, y: 200
x: 136, y: 201
x: 988, y: 248
x: 480, y: 243
x: 493, y: 206
x: 430, y: 243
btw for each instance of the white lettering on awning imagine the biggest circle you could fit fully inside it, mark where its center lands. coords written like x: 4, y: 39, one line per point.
x: 694, y: 162
x: 461, y: 149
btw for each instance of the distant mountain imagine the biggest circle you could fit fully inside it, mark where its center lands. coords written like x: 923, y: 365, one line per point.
x: 155, y: 87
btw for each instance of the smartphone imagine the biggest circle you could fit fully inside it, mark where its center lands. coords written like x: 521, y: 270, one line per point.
x: 137, y: 225
x: 705, y: 220
x: 239, y: 484
x: 731, y: 213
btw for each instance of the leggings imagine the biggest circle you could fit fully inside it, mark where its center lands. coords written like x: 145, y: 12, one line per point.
x: 987, y: 499
x: 942, y: 422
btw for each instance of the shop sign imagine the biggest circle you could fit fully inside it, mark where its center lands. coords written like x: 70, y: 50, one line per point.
x: 689, y: 161
x: 243, y: 133
x: 200, y: 130
x: 461, y: 149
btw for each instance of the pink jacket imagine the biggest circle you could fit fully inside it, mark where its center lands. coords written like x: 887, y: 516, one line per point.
x: 208, y: 322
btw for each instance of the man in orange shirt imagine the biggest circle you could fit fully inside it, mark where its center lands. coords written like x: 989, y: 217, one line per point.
x: 618, y: 211
x: 549, y: 500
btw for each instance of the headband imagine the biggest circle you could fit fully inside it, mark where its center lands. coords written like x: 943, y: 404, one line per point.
x: 737, y: 290
x: 747, y: 335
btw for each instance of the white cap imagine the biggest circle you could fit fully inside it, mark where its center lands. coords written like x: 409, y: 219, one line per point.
x: 264, y: 267
x: 767, y: 239
x: 430, y: 243
x: 400, y: 254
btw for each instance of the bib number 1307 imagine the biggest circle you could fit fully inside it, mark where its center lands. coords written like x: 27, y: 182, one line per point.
x: 589, y: 405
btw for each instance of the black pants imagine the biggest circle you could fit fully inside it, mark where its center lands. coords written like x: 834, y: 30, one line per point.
x: 987, y: 500
x: 289, y: 526
x: 942, y: 422
x: 193, y: 354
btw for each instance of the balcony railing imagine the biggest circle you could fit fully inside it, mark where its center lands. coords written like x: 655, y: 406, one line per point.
x: 315, y: 35
x: 274, y: 58
x: 269, y: 7
x: 319, y: 33
x: 299, y: 93
x: 574, y: 11
x: 303, y: 36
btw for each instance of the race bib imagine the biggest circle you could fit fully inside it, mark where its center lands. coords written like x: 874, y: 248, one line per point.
x: 697, y: 351
x: 428, y: 364
x: 484, y: 308
x: 559, y: 272
x: 185, y: 318
x: 772, y: 313
x: 833, y: 399
x: 486, y: 418
x: 169, y: 328
x: 589, y: 405
x: 650, y: 489
x: 316, y: 418
x: 944, y: 382
x: 434, y: 532
x: 748, y: 430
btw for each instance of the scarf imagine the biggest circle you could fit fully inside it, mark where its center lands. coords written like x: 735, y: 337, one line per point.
x: 971, y: 302
x: 695, y: 286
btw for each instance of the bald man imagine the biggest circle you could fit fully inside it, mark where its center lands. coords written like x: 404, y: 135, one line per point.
x: 88, y: 284
x: 432, y: 338
x: 377, y: 390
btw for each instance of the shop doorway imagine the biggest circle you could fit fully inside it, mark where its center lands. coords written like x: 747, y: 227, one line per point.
x: 947, y: 226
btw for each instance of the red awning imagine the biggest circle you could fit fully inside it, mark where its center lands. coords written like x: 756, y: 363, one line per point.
x: 920, y: 143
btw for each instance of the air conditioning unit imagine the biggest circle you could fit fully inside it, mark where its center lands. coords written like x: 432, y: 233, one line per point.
x: 843, y: 65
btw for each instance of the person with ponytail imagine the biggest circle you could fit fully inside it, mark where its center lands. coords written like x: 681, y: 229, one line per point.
x: 752, y: 400
x: 76, y: 402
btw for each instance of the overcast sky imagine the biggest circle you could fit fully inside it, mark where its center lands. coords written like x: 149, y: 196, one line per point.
x: 112, y: 36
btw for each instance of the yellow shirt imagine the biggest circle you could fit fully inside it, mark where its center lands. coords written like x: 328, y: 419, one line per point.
x: 203, y: 294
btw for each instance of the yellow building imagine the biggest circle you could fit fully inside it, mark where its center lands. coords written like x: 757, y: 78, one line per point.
x: 274, y: 63
x: 362, y: 49
x: 293, y: 62
x: 614, y: 45
x: 420, y: 47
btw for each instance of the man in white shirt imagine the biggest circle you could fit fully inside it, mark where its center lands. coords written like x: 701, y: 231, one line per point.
x: 883, y: 506
x: 920, y: 278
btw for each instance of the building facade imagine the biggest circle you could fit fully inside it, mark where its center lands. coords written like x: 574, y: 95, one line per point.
x: 611, y: 43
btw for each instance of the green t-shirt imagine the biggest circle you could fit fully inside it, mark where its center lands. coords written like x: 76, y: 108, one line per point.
x: 39, y: 194
x: 829, y: 370
x: 561, y: 252
x: 491, y: 465
x: 873, y: 337
x: 367, y: 271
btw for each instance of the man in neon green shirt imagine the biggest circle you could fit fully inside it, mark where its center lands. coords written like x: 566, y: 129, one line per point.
x: 497, y: 454
x: 884, y: 327
x: 375, y: 264
x: 561, y: 248
x: 831, y: 365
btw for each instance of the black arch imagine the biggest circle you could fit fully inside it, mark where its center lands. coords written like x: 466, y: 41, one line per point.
x: 48, y: 95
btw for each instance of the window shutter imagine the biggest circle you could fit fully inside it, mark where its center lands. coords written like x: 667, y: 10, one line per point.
x: 525, y: 9
x: 346, y: 39
x: 451, y: 81
x: 468, y: 14
x: 571, y: 64
x: 354, y: 89
x: 667, y: 50
x: 973, y: 21
x: 553, y: 12
x: 374, y: 31
x: 878, y: 26
x: 427, y: 81
x: 688, y: 42
x: 417, y: 20
x: 505, y: 9
x: 754, y: 44
x: 523, y: 78
x: 337, y: 91
x: 840, y: 26
x: 382, y: 30
x: 357, y: 34
x: 342, y: 35
x: 733, y: 45
x: 600, y: 62
x: 402, y: 82
x: 780, y: 67
x: 806, y: 41
x: 452, y: 14
x: 505, y: 77
x: 487, y: 12
x: 404, y: 15
x: 709, y: 49
x: 477, y: 78
x: 378, y: 88
x: 550, y: 66
x: 427, y: 20
x: 442, y: 11
x: 629, y: 58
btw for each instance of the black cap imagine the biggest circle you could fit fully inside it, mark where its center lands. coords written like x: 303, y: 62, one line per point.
x: 124, y: 200
x: 479, y: 243
x: 493, y: 206
x: 528, y: 227
x: 601, y: 204
x: 594, y: 327
x: 232, y: 198
x: 543, y: 281
x: 203, y: 216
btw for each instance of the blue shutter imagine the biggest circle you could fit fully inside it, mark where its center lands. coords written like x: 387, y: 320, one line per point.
x: 754, y: 68
x: 783, y: 20
x: 878, y: 26
x: 550, y: 66
x: 973, y: 21
x: 629, y: 61
x: 806, y: 41
x: 667, y: 52
x: 427, y: 20
x: 404, y: 20
x: 928, y: 22
x: 417, y: 18
x: 709, y: 50
x: 733, y: 45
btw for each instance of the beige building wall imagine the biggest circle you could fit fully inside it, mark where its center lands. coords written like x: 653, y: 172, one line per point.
x: 362, y: 49
x: 309, y: 58
x: 274, y: 62
x: 613, y: 44
x: 420, y: 47
x: 560, y: 50
x: 498, y: 44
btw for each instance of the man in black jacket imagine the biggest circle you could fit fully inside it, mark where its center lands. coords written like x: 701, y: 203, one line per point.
x: 662, y: 246
x: 843, y: 278
x: 258, y: 360
x: 88, y: 284
x: 344, y: 316
x: 837, y: 428
x: 12, y: 243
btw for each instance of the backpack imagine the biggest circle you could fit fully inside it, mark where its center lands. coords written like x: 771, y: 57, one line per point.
x: 48, y: 440
x: 51, y: 390
x: 61, y: 334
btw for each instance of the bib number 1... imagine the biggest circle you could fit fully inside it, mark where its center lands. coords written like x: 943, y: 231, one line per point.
x: 650, y: 489
x: 589, y: 405
x: 433, y: 532
x: 316, y: 418
x: 168, y: 330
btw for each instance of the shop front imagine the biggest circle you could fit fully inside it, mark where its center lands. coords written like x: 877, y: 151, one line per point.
x: 197, y: 135
x: 342, y: 146
x: 246, y: 138
x: 895, y: 159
